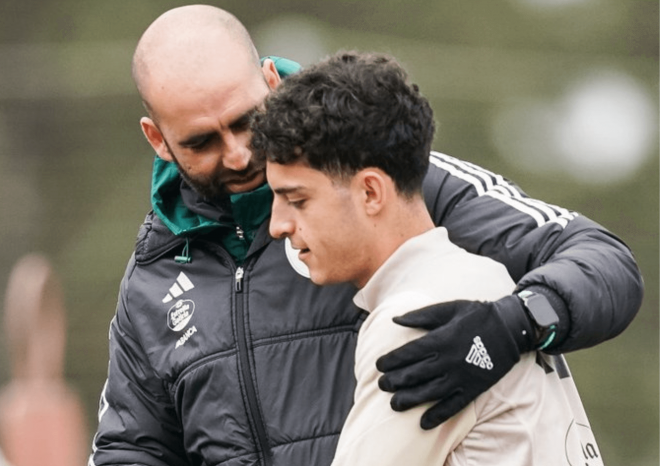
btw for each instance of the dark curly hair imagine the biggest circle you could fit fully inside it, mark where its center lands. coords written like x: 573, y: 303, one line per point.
x: 350, y: 111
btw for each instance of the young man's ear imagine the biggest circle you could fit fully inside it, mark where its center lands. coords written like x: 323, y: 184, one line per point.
x: 374, y: 190
x: 155, y: 138
x: 269, y: 70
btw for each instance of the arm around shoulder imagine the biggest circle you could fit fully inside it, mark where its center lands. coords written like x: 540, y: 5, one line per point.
x: 596, y: 277
x: 572, y: 259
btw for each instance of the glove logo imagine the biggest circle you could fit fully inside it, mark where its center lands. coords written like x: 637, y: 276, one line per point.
x: 478, y: 355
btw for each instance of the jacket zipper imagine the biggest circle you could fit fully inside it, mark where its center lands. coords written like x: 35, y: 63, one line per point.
x: 238, y: 283
x: 245, y: 363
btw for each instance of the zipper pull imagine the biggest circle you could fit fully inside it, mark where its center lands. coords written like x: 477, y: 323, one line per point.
x: 240, y: 233
x: 238, y: 283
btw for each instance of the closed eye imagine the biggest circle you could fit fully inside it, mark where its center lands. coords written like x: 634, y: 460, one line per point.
x: 243, y: 122
x: 199, y: 142
x: 294, y: 196
x: 298, y: 204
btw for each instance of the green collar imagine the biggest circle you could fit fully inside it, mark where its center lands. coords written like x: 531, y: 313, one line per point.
x: 249, y: 210
x: 168, y: 204
x: 238, y: 227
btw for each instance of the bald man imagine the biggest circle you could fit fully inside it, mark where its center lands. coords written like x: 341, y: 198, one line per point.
x: 222, y: 351
x: 200, y: 96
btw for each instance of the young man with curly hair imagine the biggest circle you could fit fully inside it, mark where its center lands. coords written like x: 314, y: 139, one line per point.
x: 347, y: 143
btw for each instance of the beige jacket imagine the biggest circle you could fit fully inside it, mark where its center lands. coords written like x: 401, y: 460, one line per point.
x: 529, y: 417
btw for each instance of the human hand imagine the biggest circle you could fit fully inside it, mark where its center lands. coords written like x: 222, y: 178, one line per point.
x: 469, y: 346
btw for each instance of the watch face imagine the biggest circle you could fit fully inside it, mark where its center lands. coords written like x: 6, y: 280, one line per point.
x: 541, y: 310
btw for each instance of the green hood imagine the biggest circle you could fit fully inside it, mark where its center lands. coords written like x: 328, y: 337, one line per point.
x: 284, y: 66
x: 248, y: 210
x: 168, y: 204
x: 241, y: 219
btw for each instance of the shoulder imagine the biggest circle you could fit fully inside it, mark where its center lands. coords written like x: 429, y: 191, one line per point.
x: 477, y: 277
x: 153, y: 239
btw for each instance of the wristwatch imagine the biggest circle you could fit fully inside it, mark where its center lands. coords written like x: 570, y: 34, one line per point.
x: 543, y: 317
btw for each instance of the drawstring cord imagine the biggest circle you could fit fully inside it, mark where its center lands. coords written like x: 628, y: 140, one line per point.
x: 185, y: 257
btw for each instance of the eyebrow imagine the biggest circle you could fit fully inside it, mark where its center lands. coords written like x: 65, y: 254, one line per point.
x: 198, y: 138
x: 288, y: 189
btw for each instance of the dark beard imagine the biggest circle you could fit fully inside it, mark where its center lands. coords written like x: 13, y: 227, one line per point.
x: 207, y: 187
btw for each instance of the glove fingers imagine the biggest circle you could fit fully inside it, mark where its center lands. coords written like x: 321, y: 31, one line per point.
x: 414, y: 351
x: 410, y: 376
x: 431, y: 317
x: 443, y: 410
x: 424, y: 393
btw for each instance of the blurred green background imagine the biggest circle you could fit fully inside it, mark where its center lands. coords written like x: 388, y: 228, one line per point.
x: 558, y: 95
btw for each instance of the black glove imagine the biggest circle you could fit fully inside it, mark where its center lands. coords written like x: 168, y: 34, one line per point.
x: 470, y: 346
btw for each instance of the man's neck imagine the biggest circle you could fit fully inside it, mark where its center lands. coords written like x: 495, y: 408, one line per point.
x: 403, y: 221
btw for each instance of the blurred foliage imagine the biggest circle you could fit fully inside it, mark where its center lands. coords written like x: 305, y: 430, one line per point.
x: 75, y: 169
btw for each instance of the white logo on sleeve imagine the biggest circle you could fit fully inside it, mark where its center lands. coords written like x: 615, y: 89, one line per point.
x: 181, y: 284
x: 478, y: 355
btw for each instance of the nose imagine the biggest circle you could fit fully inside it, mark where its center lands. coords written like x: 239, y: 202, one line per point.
x: 236, y: 154
x: 281, y: 224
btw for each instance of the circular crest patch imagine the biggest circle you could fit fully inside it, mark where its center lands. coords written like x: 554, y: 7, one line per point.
x: 179, y: 315
x: 292, y: 255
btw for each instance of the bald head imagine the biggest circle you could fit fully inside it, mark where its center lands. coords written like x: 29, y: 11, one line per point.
x: 184, y: 44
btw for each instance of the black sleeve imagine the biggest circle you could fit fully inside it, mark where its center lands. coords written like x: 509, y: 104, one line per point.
x: 138, y: 425
x: 590, y: 269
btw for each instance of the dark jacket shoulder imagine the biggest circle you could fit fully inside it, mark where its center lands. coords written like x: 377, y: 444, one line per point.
x: 154, y: 239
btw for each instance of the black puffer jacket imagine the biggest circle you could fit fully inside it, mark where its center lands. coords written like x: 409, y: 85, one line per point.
x: 215, y: 364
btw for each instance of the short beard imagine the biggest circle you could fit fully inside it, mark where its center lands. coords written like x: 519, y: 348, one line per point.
x: 206, y: 187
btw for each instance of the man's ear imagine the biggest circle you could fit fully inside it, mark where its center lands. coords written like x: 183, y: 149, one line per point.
x: 155, y: 138
x: 269, y: 70
x: 373, y: 186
